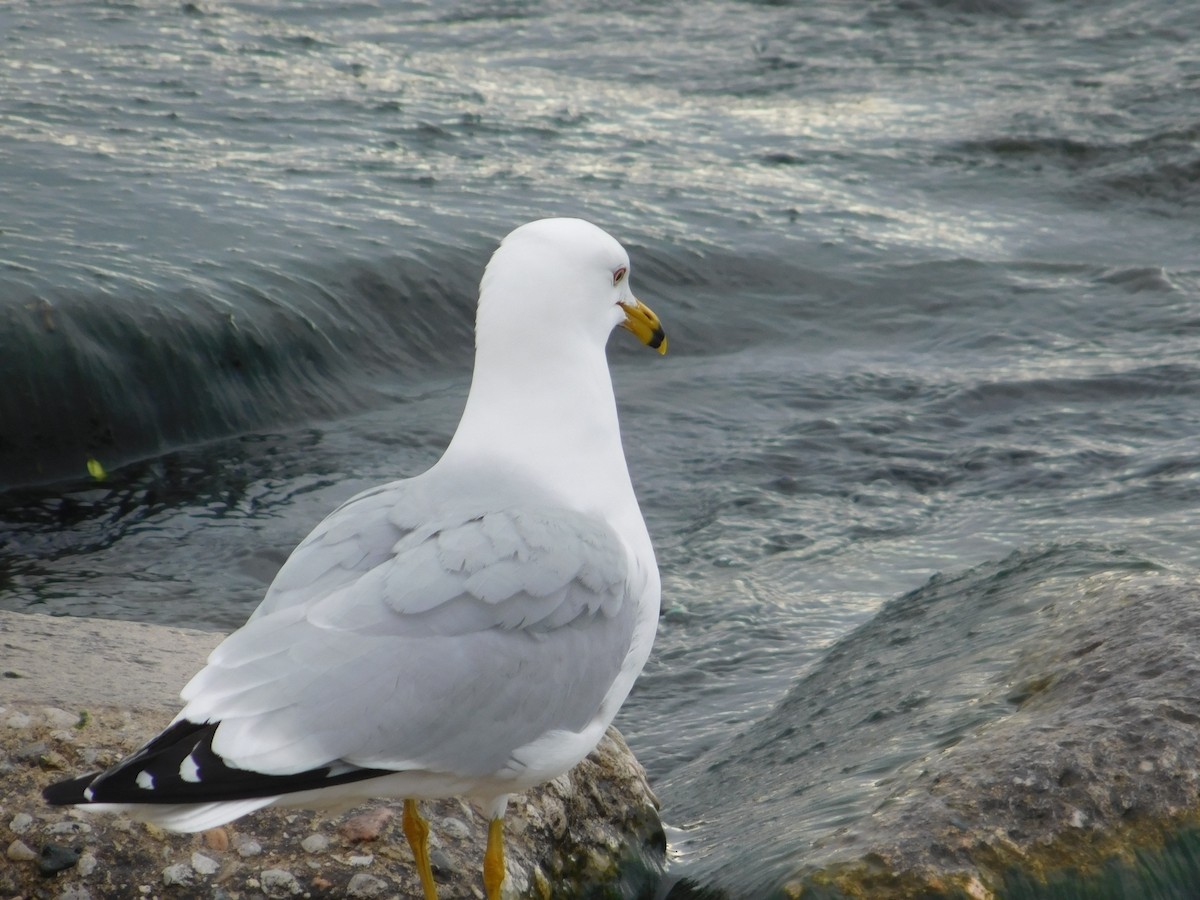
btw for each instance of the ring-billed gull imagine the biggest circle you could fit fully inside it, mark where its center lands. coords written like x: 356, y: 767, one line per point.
x: 471, y: 631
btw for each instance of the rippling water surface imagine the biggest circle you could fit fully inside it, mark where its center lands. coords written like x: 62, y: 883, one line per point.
x: 930, y: 272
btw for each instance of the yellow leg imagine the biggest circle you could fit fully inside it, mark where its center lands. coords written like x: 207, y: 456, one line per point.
x: 416, y: 829
x: 493, y: 860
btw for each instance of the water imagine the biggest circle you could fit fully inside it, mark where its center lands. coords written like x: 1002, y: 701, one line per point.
x: 929, y: 270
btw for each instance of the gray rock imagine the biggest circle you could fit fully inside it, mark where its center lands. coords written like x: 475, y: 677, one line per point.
x: 59, y: 718
x: 279, y: 883
x: 86, y: 865
x: 20, y: 823
x: 1019, y: 720
x: 364, y: 885
x: 204, y: 865
x: 31, y: 752
x: 178, y: 874
x: 455, y: 828
x: 315, y: 843
x: 248, y: 848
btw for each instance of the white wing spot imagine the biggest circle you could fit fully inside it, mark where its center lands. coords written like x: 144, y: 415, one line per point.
x: 189, y: 771
x: 145, y: 780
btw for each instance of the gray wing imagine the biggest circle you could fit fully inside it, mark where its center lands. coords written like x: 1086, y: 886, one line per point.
x: 459, y: 642
x: 353, y: 539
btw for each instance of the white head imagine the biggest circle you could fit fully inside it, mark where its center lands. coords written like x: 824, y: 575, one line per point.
x: 558, y: 281
x: 541, y: 404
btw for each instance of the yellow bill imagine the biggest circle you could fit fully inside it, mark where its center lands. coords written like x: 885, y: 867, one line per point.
x: 641, y: 320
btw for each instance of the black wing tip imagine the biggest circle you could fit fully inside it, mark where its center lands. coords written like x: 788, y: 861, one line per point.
x: 70, y: 792
x: 153, y: 775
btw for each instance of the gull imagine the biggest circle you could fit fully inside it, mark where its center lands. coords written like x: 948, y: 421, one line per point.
x: 471, y: 631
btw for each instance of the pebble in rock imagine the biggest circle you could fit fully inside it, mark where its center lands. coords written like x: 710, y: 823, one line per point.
x: 55, y: 858
x: 365, y: 826
x: 52, y: 759
x: 31, y: 752
x: 249, y: 848
x: 440, y: 860
x: 364, y: 885
x: 315, y: 843
x: 20, y: 823
x: 279, y: 883
x: 179, y: 873
x: 87, y: 864
x: 204, y: 865
x: 455, y: 828
x: 75, y: 892
x: 19, y: 851
x: 60, y: 718
x: 364, y: 860
x: 216, y: 839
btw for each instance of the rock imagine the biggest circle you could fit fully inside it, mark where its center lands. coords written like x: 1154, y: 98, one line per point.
x: 362, y: 861
x: 315, y: 843
x: 1016, y: 725
x: 279, y: 883
x: 52, y: 760
x: 364, y: 885
x: 20, y: 823
x: 19, y: 851
x: 75, y: 892
x: 247, y: 848
x: 440, y: 860
x: 204, y: 865
x: 87, y: 864
x: 59, y: 718
x: 178, y: 874
x: 19, y: 720
x: 216, y: 839
x: 31, y: 752
x: 55, y: 857
x: 606, y: 802
x: 455, y: 828
x: 367, y: 826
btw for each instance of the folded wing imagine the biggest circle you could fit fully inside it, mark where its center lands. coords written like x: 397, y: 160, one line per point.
x: 386, y: 645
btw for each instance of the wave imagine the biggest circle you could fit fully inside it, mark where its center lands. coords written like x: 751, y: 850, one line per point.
x: 130, y: 369
x: 115, y: 377
x: 1160, y: 169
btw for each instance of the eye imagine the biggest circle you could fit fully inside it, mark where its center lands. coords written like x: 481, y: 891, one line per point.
x: 619, y: 275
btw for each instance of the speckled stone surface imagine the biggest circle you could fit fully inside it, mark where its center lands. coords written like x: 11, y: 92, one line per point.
x: 966, y: 740
x: 78, y: 694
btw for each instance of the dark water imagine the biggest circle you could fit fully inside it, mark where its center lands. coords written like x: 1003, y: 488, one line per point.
x: 930, y: 272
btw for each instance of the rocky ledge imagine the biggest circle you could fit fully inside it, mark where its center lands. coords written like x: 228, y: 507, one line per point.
x: 1030, y: 728
x: 78, y: 694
